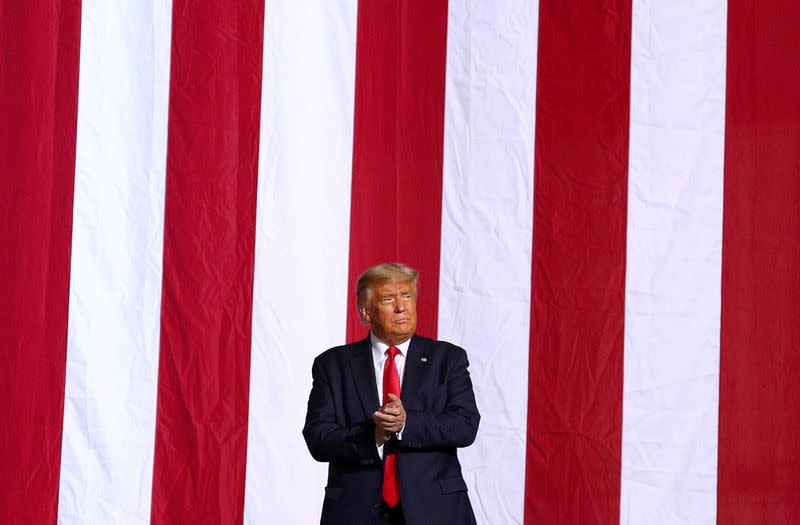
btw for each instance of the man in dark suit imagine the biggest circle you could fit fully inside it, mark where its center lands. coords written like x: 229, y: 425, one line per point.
x: 392, y: 459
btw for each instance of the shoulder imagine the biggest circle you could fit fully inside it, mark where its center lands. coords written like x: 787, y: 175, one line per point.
x: 337, y: 354
x: 443, y: 349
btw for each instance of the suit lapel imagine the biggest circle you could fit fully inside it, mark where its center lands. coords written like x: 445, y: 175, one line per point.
x: 363, y: 369
x: 416, y: 369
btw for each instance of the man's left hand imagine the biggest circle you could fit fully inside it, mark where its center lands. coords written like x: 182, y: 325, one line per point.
x: 391, y: 417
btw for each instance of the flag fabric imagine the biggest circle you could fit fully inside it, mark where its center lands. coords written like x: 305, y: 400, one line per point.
x: 601, y: 197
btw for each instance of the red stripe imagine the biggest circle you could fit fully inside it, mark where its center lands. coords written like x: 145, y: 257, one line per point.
x: 398, y: 146
x: 209, y: 239
x: 578, y: 279
x: 759, y: 413
x: 39, y: 50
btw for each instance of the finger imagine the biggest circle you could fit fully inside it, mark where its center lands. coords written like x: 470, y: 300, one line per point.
x: 387, y: 431
x: 388, y: 418
x: 393, y: 398
x: 391, y: 404
x: 395, y: 411
x: 384, y: 419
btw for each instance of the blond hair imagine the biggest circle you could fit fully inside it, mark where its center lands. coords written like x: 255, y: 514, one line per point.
x: 383, y: 273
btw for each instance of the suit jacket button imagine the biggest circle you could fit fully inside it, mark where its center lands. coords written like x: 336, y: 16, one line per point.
x: 376, y: 506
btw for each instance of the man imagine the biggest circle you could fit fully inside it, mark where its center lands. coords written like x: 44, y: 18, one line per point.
x: 388, y: 412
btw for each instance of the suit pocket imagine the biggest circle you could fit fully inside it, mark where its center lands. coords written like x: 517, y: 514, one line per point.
x: 333, y: 493
x: 452, y: 485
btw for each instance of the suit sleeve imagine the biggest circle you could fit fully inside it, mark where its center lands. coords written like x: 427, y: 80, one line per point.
x: 456, y: 425
x: 329, y: 441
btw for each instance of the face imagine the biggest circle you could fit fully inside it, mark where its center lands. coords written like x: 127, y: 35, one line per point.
x: 392, y: 311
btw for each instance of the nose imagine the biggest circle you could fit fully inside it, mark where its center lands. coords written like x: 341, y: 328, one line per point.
x: 399, y: 305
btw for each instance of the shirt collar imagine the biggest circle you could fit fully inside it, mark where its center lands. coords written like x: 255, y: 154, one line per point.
x: 379, y: 347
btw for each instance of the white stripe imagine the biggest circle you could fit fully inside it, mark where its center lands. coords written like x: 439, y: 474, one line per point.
x: 669, y: 450
x: 487, y: 221
x: 115, y: 290
x: 302, y: 237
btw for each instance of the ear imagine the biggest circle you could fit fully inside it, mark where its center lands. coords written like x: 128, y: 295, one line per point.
x: 364, y: 313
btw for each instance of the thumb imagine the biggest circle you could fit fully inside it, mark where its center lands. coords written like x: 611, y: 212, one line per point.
x: 393, y: 397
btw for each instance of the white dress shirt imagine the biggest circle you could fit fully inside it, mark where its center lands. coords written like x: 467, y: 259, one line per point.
x: 379, y: 358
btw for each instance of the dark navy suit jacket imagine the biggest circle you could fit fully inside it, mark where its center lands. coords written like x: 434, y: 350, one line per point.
x: 441, y: 416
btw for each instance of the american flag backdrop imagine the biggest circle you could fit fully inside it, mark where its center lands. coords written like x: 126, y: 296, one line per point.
x: 602, y: 196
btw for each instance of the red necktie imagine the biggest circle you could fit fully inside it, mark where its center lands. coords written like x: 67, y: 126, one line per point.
x: 391, y: 385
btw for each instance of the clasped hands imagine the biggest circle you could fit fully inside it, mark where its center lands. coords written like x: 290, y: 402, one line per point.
x: 389, y: 419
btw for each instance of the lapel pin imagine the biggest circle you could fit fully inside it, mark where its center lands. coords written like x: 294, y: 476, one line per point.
x: 423, y: 359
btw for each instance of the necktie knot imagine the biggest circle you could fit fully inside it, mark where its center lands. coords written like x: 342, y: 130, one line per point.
x: 392, y: 352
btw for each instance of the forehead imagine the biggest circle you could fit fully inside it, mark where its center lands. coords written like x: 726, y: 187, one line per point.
x: 392, y: 287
